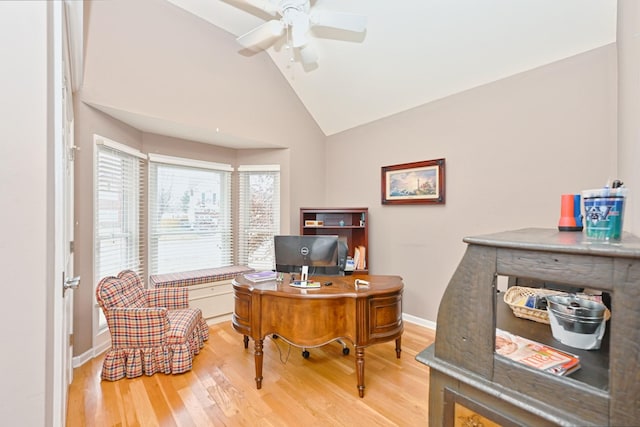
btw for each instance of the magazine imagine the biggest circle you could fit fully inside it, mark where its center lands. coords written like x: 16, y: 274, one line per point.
x: 261, y: 276
x: 535, y: 355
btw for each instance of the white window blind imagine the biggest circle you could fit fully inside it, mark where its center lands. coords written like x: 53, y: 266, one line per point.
x: 118, y: 207
x: 190, y: 222
x: 259, y: 215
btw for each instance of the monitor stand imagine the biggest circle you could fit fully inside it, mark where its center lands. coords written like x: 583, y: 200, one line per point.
x: 304, y: 274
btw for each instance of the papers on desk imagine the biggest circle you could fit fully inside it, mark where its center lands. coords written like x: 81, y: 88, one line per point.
x: 306, y: 285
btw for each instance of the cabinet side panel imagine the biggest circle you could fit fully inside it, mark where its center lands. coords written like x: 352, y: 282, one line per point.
x: 565, y: 398
x: 466, y: 325
x: 625, y: 337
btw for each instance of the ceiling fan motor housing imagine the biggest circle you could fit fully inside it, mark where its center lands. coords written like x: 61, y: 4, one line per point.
x: 298, y: 16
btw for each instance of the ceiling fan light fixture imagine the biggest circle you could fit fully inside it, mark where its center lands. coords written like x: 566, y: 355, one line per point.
x: 308, y: 55
x: 297, y: 18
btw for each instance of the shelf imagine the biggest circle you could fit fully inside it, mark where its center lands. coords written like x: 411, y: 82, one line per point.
x: 349, y: 224
x: 338, y: 227
x: 594, y: 369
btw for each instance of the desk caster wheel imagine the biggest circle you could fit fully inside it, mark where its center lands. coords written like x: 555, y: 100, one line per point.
x: 345, y: 351
x: 305, y: 354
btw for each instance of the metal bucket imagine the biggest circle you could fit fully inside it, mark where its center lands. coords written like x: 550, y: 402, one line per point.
x: 575, y: 314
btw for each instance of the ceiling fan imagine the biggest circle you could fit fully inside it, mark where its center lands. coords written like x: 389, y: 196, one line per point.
x: 296, y: 18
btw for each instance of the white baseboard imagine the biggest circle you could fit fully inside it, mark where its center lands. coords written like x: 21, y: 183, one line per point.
x: 93, y: 352
x: 419, y: 321
x: 83, y: 358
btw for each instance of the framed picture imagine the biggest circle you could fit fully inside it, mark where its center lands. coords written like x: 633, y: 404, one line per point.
x: 413, y: 183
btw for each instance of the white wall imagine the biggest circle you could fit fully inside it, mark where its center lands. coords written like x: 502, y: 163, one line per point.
x: 628, y: 41
x: 511, y: 147
x: 171, y: 66
x: 153, y: 65
x: 23, y: 174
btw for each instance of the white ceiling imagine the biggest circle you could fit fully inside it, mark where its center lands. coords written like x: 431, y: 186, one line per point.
x: 418, y: 51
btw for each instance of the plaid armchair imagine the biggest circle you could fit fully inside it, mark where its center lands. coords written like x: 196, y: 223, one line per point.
x: 152, y: 330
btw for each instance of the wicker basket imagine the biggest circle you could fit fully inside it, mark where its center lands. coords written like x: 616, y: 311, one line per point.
x: 516, y: 294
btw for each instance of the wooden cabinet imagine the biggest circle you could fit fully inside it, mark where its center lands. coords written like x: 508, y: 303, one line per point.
x: 215, y: 299
x: 348, y: 223
x: 465, y: 371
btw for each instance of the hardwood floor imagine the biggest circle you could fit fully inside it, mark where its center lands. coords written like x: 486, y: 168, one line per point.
x: 221, y: 390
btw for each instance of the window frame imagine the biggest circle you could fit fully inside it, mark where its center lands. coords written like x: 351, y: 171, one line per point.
x: 157, y: 163
x: 245, y: 217
x: 134, y: 205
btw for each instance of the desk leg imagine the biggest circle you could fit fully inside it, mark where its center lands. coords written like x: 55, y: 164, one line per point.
x: 398, y: 346
x: 360, y: 369
x: 258, y: 362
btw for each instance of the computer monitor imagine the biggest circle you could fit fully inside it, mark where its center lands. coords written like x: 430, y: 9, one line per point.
x: 318, y: 253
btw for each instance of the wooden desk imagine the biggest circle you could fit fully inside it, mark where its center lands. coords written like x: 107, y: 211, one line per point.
x: 315, y: 317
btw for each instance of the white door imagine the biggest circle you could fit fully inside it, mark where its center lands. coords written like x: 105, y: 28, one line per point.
x: 64, y: 281
x: 71, y: 282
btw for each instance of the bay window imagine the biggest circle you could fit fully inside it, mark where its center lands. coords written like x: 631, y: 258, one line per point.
x: 190, y: 221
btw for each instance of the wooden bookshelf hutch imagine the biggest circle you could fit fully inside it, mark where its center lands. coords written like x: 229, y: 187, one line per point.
x: 470, y: 383
x: 351, y: 224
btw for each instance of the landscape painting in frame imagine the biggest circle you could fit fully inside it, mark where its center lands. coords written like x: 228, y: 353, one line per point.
x: 414, y: 183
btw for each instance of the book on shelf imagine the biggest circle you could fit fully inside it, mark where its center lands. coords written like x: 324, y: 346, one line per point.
x: 535, y: 354
x: 356, y: 257
x: 359, y: 257
x: 363, y: 258
x: 261, y: 276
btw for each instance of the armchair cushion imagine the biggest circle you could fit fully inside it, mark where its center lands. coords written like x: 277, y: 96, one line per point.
x: 171, y: 298
x: 151, y: 330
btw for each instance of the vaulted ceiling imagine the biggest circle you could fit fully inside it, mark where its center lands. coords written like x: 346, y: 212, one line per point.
x: 413, y: 51
x: 417, y: 51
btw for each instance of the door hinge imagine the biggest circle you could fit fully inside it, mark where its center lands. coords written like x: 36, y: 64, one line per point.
x: 70, y: 340
x: 71, y: 246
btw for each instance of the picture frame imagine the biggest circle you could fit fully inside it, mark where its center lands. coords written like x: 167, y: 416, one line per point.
x: 414, y: 183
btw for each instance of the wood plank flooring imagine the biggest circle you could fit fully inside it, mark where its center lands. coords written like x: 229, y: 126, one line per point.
x: 221, y: 390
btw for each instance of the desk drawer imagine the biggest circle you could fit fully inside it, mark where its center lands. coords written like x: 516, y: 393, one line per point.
x: 385, y: 317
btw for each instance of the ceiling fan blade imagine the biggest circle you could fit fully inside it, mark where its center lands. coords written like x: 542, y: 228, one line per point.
x: 262, y: 34
x: 308, y: 54
x: 339, y: 20
x: 266, y: 5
